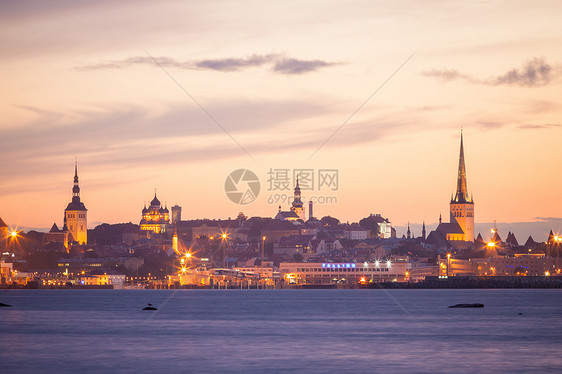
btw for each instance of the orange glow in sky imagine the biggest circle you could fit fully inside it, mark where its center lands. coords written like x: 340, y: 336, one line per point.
x: 79, y: 79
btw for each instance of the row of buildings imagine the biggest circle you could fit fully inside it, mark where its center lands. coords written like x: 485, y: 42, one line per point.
x: 303, y: 250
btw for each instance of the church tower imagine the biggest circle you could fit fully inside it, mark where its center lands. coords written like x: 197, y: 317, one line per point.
x: 462, y: 205
x: 76, y: 214
x: 297, y: 206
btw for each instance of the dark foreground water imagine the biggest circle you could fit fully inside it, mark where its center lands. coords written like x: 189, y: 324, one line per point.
x: 276, y: 331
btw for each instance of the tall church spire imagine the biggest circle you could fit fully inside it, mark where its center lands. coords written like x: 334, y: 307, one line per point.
x: 462, y: 191
x: 76, y: 188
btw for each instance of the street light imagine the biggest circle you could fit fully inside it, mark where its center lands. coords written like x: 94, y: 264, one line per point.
x: 557, y: 242
x: 224, y: 238
x: 448, y: 263
x: 13, y: 235
x: 262, y: 250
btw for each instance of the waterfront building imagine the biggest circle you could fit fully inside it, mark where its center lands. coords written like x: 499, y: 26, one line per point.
x: 328, y: 273
x: 155, y: 218
x: 76, y: 214
x: 6, y: 269
x: 526, y: 264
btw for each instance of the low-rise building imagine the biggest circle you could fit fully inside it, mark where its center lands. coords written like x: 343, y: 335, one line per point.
x: 327, y: 273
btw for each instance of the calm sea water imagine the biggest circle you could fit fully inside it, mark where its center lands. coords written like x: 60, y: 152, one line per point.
x: 277, y: 331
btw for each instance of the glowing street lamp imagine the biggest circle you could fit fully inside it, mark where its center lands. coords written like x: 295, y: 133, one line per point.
x: 262, y: 250
x: 12, y: 235
x: 224, y: 239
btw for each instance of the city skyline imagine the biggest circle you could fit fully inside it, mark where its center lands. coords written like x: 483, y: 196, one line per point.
x: 76, y: 84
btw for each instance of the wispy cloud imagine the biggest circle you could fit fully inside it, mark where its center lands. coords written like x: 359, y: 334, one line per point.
x: 549, y: 219
x: 296, y: 66
x: 490, y: 125
x: 534, y: 73
x: 234, y: 64
x: 538, y: 126
x: 494, y: 125
x: 281, y: 63
x: 445, y: 75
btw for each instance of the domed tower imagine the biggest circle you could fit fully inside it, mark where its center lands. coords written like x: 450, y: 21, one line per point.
x: 76, y: 214
x: 297, y: 205
x: 155, y: 218
x: 155, y: 203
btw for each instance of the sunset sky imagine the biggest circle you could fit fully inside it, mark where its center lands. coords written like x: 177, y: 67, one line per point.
x: 79, y: 79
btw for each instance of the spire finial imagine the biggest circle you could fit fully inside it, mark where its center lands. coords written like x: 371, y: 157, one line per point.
x: 461, y: 195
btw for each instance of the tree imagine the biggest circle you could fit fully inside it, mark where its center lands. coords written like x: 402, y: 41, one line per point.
x: 370, y: 223
x: 329, y: 221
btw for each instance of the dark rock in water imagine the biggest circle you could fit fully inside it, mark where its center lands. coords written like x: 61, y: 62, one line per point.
x: 520, y: 314
x: 2, y: 304
x: 467, y: 306
x: 149, y: 307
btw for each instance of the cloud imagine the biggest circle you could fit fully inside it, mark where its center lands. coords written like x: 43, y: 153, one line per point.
x: 295, y: 66
x: 550, y: 219
x: 445, y: 75
x: 126, y: 137
x: 536, y: 72
x: 490, y: 125
x: 537, y: 126
x: 129, y: 136
x: 281, y: 64
x: 233, y: 64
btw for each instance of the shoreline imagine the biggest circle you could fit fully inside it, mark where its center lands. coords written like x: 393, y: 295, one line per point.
x: 467, y: 282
